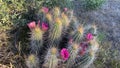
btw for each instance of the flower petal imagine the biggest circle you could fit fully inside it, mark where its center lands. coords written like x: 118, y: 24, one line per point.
x: 64, y: 54
x: 89, y: 36
x: 44, y: 26
x: 31, y: 25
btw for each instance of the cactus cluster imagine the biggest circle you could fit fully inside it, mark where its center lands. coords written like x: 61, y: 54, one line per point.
x: 63, y: 41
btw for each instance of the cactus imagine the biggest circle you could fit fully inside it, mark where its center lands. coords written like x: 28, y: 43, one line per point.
x: 77, y: 36
x: 32, y: 61
x: 51, y: 60
x: 36, y: 37
x: 79, y: 43
x: 55, y: 32
x: 73, y: 54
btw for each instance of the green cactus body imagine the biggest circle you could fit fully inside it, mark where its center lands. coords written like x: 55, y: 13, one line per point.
x: 55, y: 32
x: 78, y: 35
x: 51, y: 60
x: 35, y: 46
x: 84, y: 61
x: 88, y: 58
x: 49, y: 18
x: 36, y: 40
x: 65, y: 20
x: 56, y: 11
x: 73, y: 54
x: 32, y: 61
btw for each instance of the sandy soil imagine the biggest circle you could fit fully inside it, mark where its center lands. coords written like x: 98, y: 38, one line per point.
x: 107, y: 18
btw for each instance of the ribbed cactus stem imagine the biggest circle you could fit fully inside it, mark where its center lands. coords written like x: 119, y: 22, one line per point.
x: 49, y: 17
x: 36, y: 40
x: 55, y: 32
x: 56, y: 12
x: 88, y: 59
x: 65, y: 20
x: 92, y: 52
x: 32, y: 61
x: 89, y: 62
x: 51, y: 60
x: 77, y: 36
x: 73, y: 54
x: 36, y: 34
x: 73, y: 25
x: 84, y: 61
x: 35, y: 46
x: 66, y: 23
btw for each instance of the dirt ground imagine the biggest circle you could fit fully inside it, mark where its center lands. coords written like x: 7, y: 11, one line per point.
x: 107, y: 19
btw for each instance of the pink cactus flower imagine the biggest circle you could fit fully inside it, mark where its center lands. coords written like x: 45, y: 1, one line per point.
x: 31, y: 25
x: 44, y: 26
x: 65, y: 9
x: 64, y: 54
x: 45, y: 9
x: 89, y: 36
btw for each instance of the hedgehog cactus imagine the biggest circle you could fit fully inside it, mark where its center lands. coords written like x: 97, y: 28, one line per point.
x: 51, y: 60
x: 73, y: 54
x: 36, y: 36
x: 56, y: 32
x: 32, y: 61
x: 79, y: 43
x: 78, y: 35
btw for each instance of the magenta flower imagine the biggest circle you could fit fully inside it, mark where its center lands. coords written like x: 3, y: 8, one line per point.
x: 44, y: 26
x: 89, y: 36
x: 45, y: 9
x: 31, y: 25
x: 65, y: 9
x: 64, y: 54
